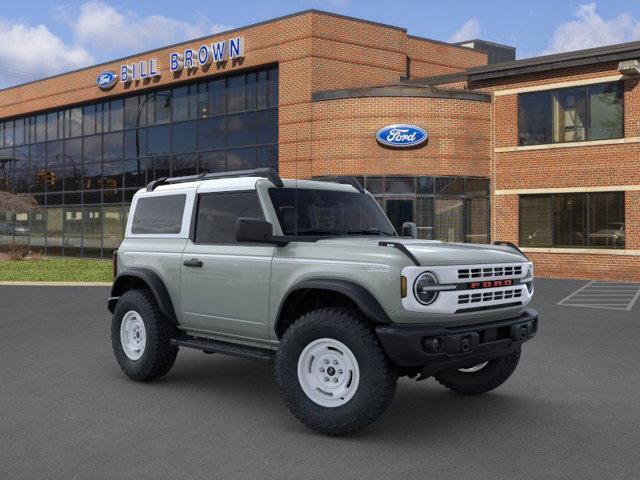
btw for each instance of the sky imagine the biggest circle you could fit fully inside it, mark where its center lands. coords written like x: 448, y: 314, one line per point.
x: 39, y: 38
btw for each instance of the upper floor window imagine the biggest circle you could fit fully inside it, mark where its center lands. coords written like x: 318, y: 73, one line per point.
x: 592, y: 112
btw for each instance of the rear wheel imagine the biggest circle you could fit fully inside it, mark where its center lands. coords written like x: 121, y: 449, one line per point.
x: 481, y: 378
x: 332, y: 371
x: 141, y: 337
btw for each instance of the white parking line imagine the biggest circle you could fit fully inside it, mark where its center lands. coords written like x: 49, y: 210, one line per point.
x: 612, y: 296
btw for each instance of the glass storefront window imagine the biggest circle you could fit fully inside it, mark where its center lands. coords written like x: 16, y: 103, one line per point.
x: 54, y: 230
x: 37, y: 227
x: 241, y: 130
x: 116, y: 115
x: 449, y: 186
x: 113, y: 227
x: 95, y: 156
x: 400, y: 185
x: 162, y: 107
x: 184, y: 136
x: 55, y: 171
x: 92, y: 231
x: 19, y: 131
x: 212, y: 162
x: 212, y: 133
x: 159, y: 140
x: 424, y: 218
x: 235, y: 93
x: 180, y: 103
x: 477, y: 230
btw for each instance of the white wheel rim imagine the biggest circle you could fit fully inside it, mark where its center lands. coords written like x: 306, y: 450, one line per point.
x: 133, y: 335
x: 328, y: 372
x: 475, y: 368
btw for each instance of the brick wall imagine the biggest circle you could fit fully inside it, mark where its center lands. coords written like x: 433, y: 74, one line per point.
x: 430, y: 58
x: 579, y: 167
x: 344, y: 136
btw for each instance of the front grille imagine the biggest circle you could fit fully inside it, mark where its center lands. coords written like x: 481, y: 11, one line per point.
x: 487, y: 272
x: 497, y: 295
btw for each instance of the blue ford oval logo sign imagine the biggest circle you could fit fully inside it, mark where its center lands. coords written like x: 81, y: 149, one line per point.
x: 401, y: 136
x: 106, y: 80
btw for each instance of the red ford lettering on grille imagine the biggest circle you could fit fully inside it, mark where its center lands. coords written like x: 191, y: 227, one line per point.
x: 491, y: 284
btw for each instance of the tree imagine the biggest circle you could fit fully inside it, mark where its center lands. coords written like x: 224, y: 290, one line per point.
x: 16, y: 202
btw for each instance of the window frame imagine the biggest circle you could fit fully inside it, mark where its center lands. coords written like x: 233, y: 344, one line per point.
x: 588, y: 196
x: 193, y: 228
x: 552, y: 93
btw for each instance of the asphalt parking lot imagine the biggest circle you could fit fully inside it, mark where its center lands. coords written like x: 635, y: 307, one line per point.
x: 571, y: 410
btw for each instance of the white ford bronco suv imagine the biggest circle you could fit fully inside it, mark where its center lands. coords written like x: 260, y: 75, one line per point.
x: 313, y: 277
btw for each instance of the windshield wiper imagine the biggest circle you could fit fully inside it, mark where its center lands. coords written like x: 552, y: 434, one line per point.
x: 370, y: 231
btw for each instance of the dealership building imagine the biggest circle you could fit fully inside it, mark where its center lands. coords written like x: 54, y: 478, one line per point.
x: 542, y: 152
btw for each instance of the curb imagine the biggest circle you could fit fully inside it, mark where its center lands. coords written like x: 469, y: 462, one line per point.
x: 56, y: 284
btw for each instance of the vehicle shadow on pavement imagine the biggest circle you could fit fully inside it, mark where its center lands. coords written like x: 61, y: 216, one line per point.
x: 417, y: 407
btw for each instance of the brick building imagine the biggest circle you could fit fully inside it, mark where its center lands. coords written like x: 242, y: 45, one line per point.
x: 538, y: 152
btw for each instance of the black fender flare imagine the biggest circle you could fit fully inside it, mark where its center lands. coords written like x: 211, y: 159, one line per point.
x: 362, y: 297
x: 155, y: 284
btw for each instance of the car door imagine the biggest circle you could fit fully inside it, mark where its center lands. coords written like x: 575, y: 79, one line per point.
x: 225, y: 284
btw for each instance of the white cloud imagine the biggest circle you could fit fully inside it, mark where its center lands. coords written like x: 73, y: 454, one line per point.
x: 469, y: 31
x: 28, y: 52
x: 98, y: 32
x: 589, y: 29
x: 104, y: 29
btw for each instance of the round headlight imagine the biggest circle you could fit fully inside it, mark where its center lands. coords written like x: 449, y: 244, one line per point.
x: 423, y: 288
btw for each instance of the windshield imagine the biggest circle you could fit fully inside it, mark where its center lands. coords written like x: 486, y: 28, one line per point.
x: 328, y: 212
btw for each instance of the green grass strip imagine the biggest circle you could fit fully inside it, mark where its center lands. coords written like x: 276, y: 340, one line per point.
x: 56, y: 270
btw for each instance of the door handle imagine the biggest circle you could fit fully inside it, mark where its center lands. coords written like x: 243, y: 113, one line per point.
x: 194, y: 262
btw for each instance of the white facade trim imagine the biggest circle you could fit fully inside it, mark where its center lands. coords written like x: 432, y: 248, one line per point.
x: 536, y: 191
x: 584, y: 251
x: 548, y: 146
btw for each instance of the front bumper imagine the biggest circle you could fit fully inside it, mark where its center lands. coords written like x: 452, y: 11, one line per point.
x: 438, y: 349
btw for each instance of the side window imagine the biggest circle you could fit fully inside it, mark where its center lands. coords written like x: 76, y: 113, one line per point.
x: 218, y: 212
x: 159, y: 215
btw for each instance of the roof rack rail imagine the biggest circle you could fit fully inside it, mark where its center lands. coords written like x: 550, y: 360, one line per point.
x: 268, y: 173
x: 345, y: 180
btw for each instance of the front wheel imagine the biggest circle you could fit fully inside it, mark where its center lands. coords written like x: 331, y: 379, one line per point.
x: 332, y: 371
x: 481, y: 378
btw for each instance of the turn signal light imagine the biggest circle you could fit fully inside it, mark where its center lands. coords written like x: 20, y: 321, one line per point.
x: 403, y: 287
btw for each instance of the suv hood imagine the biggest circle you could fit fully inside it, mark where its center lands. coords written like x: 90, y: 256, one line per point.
x: 434, y: 253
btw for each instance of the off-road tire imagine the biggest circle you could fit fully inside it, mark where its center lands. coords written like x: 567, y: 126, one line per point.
x: 378, y: 376
x: 159, y: 355
x: 494, y: 374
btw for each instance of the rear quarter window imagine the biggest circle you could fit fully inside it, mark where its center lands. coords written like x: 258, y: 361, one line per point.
x: 159, y: 215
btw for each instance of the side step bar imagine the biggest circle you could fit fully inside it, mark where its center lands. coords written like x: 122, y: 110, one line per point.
x: 216, y: 346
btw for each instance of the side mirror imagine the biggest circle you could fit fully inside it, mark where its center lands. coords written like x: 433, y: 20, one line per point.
x: 254, y: 230
x: 409, y: 229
